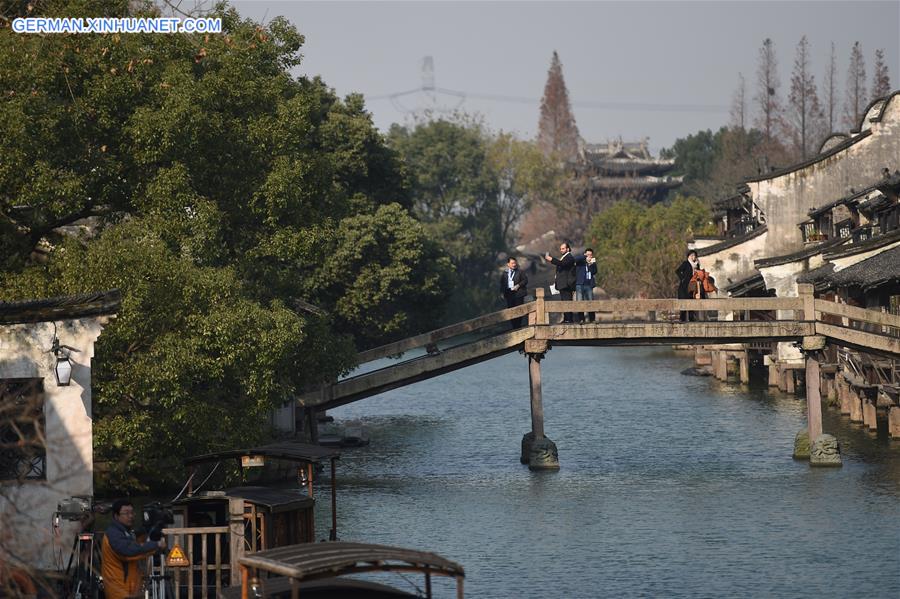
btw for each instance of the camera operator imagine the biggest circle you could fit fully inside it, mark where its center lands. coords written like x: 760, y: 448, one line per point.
x: 122, y: 552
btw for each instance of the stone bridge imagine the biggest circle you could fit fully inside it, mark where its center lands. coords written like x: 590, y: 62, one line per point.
x: 809, y: 322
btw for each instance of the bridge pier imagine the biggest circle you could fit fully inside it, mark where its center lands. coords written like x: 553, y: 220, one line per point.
x: 538, y: 451
x: 824, y: 449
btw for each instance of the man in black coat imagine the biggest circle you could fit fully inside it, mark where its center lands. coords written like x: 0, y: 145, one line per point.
x: 685, y: 273
x: 565, y: 275
x: 514, y: 287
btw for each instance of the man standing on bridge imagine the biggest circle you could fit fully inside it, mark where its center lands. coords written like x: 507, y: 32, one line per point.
x: 585, y: 281
x: 565, y: 275
x: 514, y: 287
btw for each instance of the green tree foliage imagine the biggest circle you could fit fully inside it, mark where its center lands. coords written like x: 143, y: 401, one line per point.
x: 471, y: 189
x: 639, y: 247
x: 256, y: 224
x: 455, y: 193
x: 713, y: 164
x: 525, y: 178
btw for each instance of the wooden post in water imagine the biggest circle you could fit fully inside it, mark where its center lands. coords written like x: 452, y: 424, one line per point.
x: 813, y: 397
x: 537, y: 400
x: 538, y: 451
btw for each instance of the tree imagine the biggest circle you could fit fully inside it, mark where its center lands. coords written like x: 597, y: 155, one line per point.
x: 713, y: 163
x: 767, y: 98
x: 557, y: 132
x: 455, y: 194
x: 856, y: 88
x: 638, y: 247
x: 695, y: 156
x: 525, y: 176
x: 804, y: 115
x: 881, y: 80
x: 739, y: 104
x: 400, y: 276
x: 831, y: 91
x: 257, y: 225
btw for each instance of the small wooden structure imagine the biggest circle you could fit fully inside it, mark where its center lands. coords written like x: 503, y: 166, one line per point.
x: 216, y: 528
x: 301, y: 565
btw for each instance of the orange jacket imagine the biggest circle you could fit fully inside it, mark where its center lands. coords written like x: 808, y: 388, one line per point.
x: 122, y: 576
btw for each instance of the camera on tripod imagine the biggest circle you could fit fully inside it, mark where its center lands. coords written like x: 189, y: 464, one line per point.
x: 156, y: 517
x: 75, y: 508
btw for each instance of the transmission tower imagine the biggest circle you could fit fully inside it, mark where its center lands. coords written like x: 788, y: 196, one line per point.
x: 428, y: 98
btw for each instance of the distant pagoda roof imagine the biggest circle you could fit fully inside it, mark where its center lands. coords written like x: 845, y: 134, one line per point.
x: 619, y: 158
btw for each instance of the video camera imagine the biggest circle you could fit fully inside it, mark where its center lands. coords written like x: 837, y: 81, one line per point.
x: 156, y: 517
x: 78, y: 508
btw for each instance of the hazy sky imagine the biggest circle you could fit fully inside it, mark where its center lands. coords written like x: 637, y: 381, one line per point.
x: 628, y: 66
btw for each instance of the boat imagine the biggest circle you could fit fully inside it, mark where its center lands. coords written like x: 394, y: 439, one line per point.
x: 315, y: 570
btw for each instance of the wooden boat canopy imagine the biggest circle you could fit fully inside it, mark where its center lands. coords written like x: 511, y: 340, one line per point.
x: 296, y: 452
x: 276, y: 500
x: 310, y: 561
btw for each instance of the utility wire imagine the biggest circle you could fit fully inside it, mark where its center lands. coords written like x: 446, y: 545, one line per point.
x: 632, y: 106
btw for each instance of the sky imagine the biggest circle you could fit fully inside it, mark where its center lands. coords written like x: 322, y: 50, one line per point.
x: 660, y: 70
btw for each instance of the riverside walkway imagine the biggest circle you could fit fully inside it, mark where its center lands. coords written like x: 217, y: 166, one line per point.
x: 809, y: 322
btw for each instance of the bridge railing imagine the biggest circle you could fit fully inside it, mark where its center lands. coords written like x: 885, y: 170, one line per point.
x: 454, y: 330
x: 725, y: 309
x: 852, y: 317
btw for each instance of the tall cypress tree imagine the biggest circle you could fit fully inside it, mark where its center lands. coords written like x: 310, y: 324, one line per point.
x: 830, y: 90
x: 557, y: 132
x: 804, y: 115
x: 881, y: 81
x: 856, y: 87
x: 767, y: 97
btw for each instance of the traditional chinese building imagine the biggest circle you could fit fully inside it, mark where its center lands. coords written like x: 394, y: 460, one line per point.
x: 832, y: 221
x: 618, y: 167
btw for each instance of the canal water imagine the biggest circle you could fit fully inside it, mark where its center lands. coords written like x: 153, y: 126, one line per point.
x: 670, y: 485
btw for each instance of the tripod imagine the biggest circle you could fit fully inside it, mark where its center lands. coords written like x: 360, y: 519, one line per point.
x: 85, y: 582
x: 157, y: 584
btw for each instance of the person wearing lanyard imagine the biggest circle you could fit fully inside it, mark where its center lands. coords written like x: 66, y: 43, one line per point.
x: 514, y: 287
x: 585, y: 281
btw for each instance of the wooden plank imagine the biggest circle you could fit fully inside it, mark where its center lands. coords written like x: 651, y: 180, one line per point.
x: 703, y: 332
x: 372, y: 383
x: 676, y: 305
x: 218, y: 565
x: 859, y: 338
x: 855, y: 313
x: 204, y: 560
x: 235, y: 537
x: 454, y: 330
x: 187, y: 530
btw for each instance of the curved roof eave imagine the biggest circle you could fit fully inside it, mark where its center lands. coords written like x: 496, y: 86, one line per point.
x: 729, y: 243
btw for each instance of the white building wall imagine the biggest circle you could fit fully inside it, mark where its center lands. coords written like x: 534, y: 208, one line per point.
x: 786, y: 199
x: 26, y: 509
x: 734, y: 264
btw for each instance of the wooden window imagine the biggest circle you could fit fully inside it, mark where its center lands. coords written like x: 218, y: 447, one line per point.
x: 23, y: 453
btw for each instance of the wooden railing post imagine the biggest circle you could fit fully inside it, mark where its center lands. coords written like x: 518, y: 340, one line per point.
x: 541, y: 316
x: 236, y: 539
x: 806, y: 292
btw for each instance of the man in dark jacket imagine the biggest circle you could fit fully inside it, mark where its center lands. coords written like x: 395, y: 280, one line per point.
x: 121, y: 552
x: 565, y: 275
x: 514, y: 287
x: 585, y: 280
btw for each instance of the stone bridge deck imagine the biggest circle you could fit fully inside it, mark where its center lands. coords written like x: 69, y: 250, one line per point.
x: 619, y: 322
